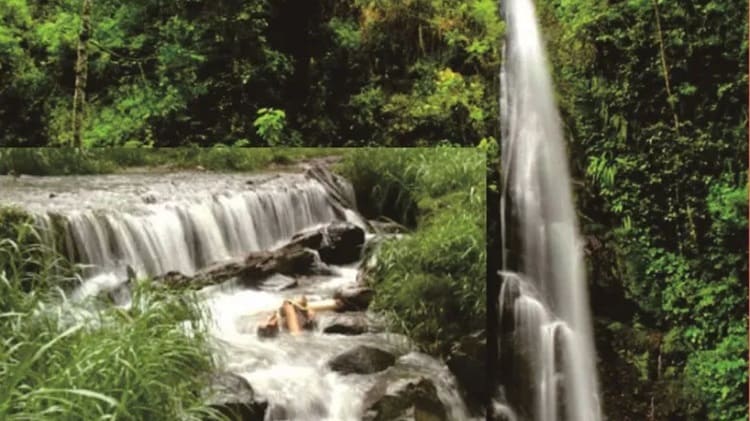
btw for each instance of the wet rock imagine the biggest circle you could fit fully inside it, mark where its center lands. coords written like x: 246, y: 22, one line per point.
x: 338, y: 188
x: 52, y: 195
x: 149, y: 198
x: 362, y: 360
x: 356, y: 298
x: 337, y: 243
x: 253, y: 269
x: 314, y: 411
x: 233, y: 396
x: 349, y: 323
x: 277, y: 412
x: 278, y: 283
x: 121, y: 295
x: 413, y: 399
x: 468, y: 363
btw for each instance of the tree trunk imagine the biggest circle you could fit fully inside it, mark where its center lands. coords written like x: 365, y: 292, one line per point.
x: 81, y: 70
x: 664, y: 67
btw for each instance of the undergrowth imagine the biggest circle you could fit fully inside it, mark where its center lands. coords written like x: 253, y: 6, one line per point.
x: 431, y: 282
x: 62, y: 361
x: 67, y: 161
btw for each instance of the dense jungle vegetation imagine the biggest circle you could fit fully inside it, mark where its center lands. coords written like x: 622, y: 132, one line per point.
x: 248, y: 72
x: 654, y: 99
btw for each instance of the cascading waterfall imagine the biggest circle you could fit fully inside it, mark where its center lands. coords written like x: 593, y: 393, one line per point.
x: 546, y: 352
x: 187, y: 233
x: 184, y: 221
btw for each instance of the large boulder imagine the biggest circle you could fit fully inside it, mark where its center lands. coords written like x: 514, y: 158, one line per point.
x: 233, y: 396
x: 407, y: 399
x: 362, y: 360
x: 337, y: 243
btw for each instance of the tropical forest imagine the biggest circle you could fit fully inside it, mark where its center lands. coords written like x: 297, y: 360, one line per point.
x: 517, y: 210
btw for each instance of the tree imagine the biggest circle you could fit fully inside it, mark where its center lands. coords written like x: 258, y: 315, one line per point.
x: 81, y: 73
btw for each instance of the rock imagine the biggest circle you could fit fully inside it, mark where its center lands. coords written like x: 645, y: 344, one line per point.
x: 52, y: 195
x: 233, y: 396
x: 349, y: 323
x: 355, y: 298
x: 278, y: 283
x: 413, y: 399
x: 468, y: 363
x: 121, y: 295
x: 338, y: 188
x: 252, y: 270
x: 149, y: 198
x: 337, y: 243
x: 277, y: 412
x: 344, y: 243
x: 362, y: 360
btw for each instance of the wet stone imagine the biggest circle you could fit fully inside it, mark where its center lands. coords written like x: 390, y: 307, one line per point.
x: 412, y: 399
x: 349, y: 323
x: 362, y: 360
x: 233, y: 396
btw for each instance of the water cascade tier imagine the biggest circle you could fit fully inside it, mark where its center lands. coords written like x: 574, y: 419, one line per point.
x: 172, y: 222
x: 546, y: 353
x: 184, y: 222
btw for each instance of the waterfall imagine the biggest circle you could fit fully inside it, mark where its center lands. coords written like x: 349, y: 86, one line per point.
x: 546, y: 352
x: 185, y: 234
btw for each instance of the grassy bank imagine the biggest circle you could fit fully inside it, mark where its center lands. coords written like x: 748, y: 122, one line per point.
x: 58, y: 361
x: 431, y: 282
x: 66, y: 161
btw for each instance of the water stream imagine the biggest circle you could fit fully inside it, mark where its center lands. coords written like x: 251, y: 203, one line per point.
x: 547, y: 359
x: 185, y: 221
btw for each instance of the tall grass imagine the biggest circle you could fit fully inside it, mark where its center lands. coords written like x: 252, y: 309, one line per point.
x: 65, y: 161
x: 431, y: 282
x: 64, y: 361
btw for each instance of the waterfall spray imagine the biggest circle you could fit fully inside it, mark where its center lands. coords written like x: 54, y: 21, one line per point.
x: 546, y: 350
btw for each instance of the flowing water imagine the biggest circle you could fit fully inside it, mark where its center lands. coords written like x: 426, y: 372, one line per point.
x: 184, y: 221
x: 547, y: 358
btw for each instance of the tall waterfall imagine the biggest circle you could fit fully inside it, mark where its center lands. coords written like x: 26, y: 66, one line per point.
x: 547, y: 359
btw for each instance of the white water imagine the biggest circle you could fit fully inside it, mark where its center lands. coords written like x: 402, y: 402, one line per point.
x: 195, y: 220
x: 546, y: 337
x: 292, y: 372
x: 162, y: 222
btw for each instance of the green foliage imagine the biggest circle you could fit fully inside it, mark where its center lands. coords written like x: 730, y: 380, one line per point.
x: 64, y: 161
x: 270, y: 125
x: 431, y: 282
x: 717, y: 375
x: 53, y: 161
x: 60, y: 360
x: 203, y: 72
x: 665, y: 188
